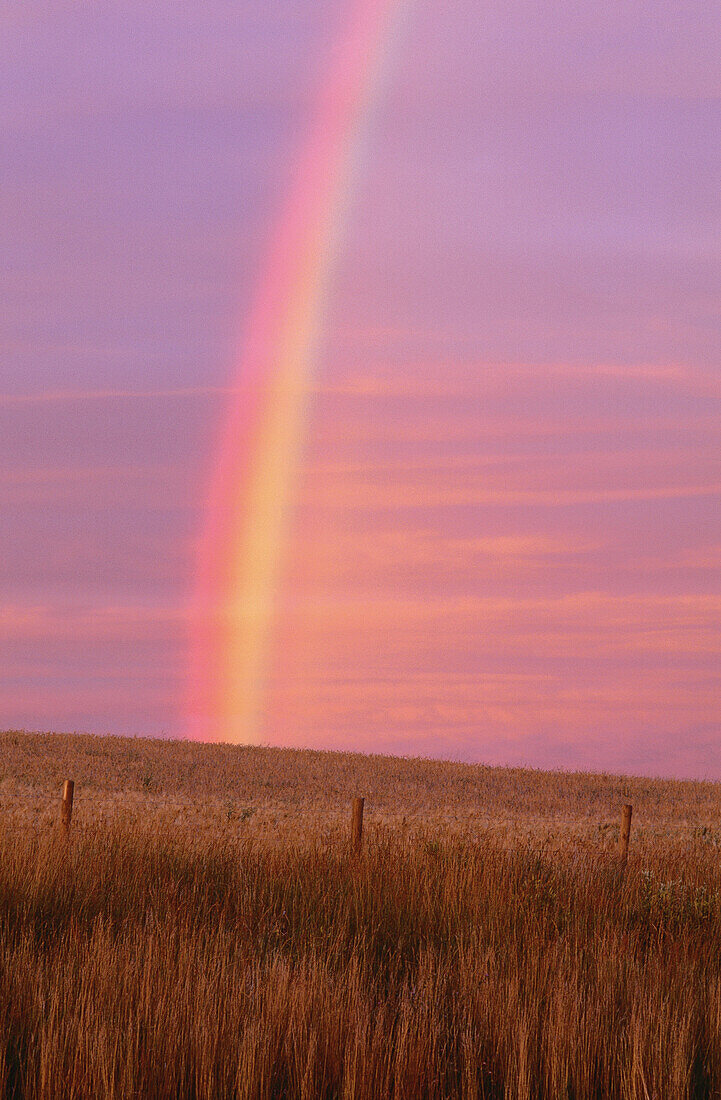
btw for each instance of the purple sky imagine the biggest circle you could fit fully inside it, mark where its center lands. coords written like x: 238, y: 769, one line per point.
x: 508, y: 535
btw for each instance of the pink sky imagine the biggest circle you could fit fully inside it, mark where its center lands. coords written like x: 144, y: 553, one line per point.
x: 507, y: 539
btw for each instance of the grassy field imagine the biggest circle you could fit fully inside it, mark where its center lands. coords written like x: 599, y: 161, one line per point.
x: 206, y: 932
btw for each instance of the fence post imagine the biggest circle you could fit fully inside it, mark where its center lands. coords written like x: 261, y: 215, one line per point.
x: 356, y: 828
x: 623, y: 836
x: 66, y: 806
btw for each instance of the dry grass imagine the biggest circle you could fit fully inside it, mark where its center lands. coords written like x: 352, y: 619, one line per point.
x: 276, y: 793
x: 206, y: 933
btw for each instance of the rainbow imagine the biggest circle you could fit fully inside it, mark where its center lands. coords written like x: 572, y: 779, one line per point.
x: 241, y: 551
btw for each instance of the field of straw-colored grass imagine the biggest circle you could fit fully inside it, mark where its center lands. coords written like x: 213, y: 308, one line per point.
x: 205, y: 931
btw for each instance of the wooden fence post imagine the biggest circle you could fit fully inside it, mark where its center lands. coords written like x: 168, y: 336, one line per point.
x: 356, y: 828
x: 623, y: 836
x: 66, y: 806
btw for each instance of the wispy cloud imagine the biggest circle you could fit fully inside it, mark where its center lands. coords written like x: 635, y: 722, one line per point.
x: 454, y: 377
x: 162, y: 486
x: 378, y: 498
x: 88, y: 622
x: 75, y: 397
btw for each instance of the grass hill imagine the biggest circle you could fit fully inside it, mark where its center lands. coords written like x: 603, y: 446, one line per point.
x: 278, y: 791
x: 204, y: 930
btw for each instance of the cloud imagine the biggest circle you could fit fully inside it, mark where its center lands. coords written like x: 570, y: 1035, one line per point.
x: 89, y: 622
x: 362, y: 495
x: 92, y: 486
x: 74, y: 397
x: 436, y: 556
x: 454, y: 376
x: 529, y: 720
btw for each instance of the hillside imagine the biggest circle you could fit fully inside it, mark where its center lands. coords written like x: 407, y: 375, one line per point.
x: 205, y: 930
x: 274, y: 792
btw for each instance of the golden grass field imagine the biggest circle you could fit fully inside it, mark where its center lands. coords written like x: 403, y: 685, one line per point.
x: 206, y: 932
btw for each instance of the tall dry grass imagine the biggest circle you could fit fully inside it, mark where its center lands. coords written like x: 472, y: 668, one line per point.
x: 137, y: 961
x: 206, y: 932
